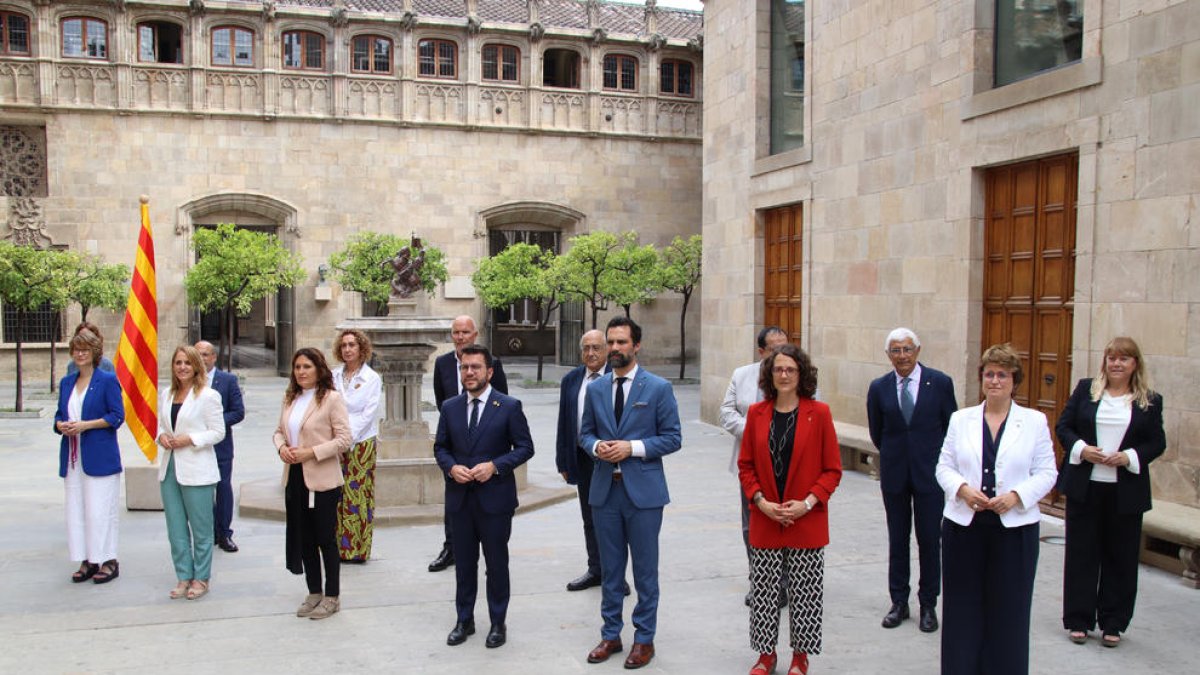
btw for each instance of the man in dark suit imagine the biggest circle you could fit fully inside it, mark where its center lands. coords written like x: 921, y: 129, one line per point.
x: 447, y: 384
x: 482, y: 437
x: 226, y: 384
x: 630, y: 421
x: 908, y: 411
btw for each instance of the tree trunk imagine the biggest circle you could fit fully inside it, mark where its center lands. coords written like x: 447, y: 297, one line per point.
x: 83, y: 310
x: 595, y: 313
x: 627, y: 315
x: 53, y: 348
x: 683, y: 334
x: 227, y: 338
x: 19, y: 405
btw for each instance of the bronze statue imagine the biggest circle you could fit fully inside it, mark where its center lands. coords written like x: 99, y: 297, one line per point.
x: 406, y: 267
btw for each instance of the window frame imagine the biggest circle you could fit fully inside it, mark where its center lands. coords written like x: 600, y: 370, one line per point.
x: 619, y: 73
x: 437, y: 43
x: 5, y: 50
x: 154, y: 25
x: 304, y: 35
x: 501, y: 49
x: 372, y: 39
x: 84, y: 22
x: 675, y: 78
x: 578, y: 72
x: 233, y: 61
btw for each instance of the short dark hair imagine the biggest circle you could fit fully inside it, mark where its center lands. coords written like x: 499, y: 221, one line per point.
x: 1004, y: 356
x: 635, y: 331
x: 478, y: 349
x: 768, y: 332
x: 806, y: 384
x: 324, y: 375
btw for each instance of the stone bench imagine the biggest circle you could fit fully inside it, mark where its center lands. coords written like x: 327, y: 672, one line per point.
x: 858, y: 452
x: 1171, y: 540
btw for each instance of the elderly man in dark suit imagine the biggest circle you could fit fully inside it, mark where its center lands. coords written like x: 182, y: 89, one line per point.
x: 630, y: 422
x: 482, y: 437
x: 446, y: 384
x: 908, y: 411
x: 225, y: 384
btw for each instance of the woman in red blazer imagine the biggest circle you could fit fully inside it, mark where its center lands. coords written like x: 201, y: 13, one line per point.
x: 789, y: 466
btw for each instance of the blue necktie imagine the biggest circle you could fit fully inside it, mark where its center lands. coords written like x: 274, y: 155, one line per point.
x: 474, y: 417
x: 906, y: 400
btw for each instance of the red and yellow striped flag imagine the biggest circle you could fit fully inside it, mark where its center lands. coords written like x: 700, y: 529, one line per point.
x: 137, y: 355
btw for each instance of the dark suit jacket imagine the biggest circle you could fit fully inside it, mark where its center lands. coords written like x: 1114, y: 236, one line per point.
x: 99, y: 453
x: 502, y: 438
x: 226, y: 384
x: 908, y: 453
x: 651, y: 416
x: 567, y: 440
x: 1145, y: 436
x: 445, y: 378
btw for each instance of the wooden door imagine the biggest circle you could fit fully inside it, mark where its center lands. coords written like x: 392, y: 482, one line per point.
x: 1029, y: 274
x: 784, y: 265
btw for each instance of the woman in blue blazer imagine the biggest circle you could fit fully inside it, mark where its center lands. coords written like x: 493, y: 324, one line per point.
x: 1111, y: 429
x: 89, y: 412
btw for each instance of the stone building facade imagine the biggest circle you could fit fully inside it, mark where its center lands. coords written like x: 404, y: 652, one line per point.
x: 978, y: 171
x: 315, y: 119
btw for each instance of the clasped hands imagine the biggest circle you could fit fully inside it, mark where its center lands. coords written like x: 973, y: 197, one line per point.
x: 481, y: 472
x: 786, y: 513
x: 67, y: 428
x: 174, y: 442
x: 291, y: 454
x: 981, y: 502
x: 1095, y: 455
x: 613, y: 451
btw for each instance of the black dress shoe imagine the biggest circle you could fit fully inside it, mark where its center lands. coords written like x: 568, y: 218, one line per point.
x: 895, y: 615
x: 929, y: 622
x: 497, y: 635
x: 459, y: 633
x: 588, y: 580
x: 227, y: 545
x: 442, y: 561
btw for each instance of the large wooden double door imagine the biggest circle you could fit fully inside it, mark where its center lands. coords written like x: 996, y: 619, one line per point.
x: 1029, y: 274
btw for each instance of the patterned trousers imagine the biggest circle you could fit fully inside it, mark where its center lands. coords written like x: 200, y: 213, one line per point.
x: 804, y: 572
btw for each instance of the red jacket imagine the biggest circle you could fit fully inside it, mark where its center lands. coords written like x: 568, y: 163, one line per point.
x: 816, y: 468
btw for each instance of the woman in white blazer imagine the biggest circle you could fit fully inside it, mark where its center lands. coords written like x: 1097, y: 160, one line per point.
x: 190, y: 423
x: 997, y: 461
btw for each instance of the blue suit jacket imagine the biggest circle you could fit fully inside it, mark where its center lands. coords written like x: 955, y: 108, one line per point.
x: 651, y: 416
x: 445, y: 378
x: 567, y: 440
x: 908, y: 452
x: 226, y: 384
x: 99, y: 453
x: 502, y: 437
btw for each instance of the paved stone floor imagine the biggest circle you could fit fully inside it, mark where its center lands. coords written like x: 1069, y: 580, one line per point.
x: 396, y: 615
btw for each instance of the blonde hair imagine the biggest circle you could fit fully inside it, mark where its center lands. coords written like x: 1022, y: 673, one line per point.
x: 199, y: 374
x: 1139, y: 381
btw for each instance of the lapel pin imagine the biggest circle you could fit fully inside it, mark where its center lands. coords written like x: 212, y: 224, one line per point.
x: 496, y: 403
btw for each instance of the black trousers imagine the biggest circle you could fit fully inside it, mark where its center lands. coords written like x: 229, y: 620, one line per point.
x: 988, y: 593
x: 1100, y: 573
x: 903, y: 510
x: 223, y: 501
x: 474, y: 529
x: 311, y: 535
x: 584, y: 484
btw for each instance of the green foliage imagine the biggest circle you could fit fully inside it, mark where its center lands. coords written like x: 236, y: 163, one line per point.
x: 637, y: 278
x: 360, y: 265
x: 237, y: 267
x: 29, y: 278
x: 589, y: 272
x: 680, y: 265
x: 98, y: 284
x: 521, y: 271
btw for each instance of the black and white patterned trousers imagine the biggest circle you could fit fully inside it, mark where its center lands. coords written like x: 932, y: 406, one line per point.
x: 804, y: 571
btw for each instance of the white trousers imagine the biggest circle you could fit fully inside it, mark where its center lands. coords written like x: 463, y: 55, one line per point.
x: 92, y: 517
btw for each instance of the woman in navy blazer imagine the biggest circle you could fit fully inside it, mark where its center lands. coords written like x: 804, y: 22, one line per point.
x: 1111, y: 429
x: 89, y: 412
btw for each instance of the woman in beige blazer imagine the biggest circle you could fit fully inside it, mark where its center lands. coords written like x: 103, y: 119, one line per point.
x: 313, y: 431
x: 190, y: 423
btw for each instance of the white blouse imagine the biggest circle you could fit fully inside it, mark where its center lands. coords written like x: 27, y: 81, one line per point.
x: 362, y: 395
x: 299, y: 407
x: 1112, y: 421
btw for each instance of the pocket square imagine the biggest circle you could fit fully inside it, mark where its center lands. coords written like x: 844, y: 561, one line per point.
x: 640, y: 404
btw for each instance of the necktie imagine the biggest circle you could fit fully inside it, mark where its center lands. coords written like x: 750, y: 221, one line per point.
x: 619, y: 404
x: 592, y: 376
x: 906, y: 400
x: 474, y: 417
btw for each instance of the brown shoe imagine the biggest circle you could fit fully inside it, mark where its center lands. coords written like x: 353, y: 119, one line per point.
x: 640, y: 655
x: 310, y: 603
x: 327, y: 608
x: 605, y: 649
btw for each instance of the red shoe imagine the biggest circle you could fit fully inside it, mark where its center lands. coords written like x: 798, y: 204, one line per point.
x: 765, y: 665
x: 799, y: 664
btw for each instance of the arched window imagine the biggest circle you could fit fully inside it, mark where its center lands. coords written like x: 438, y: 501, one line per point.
x: 303, y: 50
x: 160, y: 42
x: 437, y: 58
x: 620, y: 72
x: 675, y: 78
x: 560, y: 68
x: 233, y: 46
x: 371, y: 54
x: 501, y: 63
x: 14, y: 33
x: 84, y: 38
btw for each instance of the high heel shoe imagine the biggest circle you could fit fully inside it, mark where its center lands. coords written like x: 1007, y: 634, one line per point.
x: 765, y: 666
x: 799, y: 664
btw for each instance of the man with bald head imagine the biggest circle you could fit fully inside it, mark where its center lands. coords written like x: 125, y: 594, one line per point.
x: 226, y: 384
x: 447, y: 384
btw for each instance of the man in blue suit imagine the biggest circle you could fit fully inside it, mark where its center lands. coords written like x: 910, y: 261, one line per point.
x: 630, y: 421
x: 226, y: 384
x: 908, y: 411
x: 446, y: 384
x: 482, y: 438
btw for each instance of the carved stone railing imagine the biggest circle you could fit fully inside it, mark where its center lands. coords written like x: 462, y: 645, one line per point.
x: 161, y: 89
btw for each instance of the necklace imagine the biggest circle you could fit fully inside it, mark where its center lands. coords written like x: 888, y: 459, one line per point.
x: 777, y: 442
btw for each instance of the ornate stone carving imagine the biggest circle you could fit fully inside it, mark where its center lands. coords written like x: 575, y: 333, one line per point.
x: 536, y: 31
x: 268, y: 10
x: 408, y: 20
x: 339, y: 17
x: 696, y: 44
x: 119, y: 5
x: 474, y: 24
x: 22, y: 161
x: 196, y: 7
x: 593, y: 12
x: 598, y: 35
x: 26, y: 225
x: 657, y: 42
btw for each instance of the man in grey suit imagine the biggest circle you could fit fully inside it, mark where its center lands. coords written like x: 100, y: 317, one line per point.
x: 630, y: 422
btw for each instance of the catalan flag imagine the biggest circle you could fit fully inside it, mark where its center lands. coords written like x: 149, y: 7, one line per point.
x: 137, y: 355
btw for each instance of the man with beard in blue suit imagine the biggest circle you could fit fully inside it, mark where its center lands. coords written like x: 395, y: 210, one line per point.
x: 630, y: 422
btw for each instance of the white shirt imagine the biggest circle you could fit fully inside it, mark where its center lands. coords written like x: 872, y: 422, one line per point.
x: 211, y: 379
x: 588, y: 376
x: 299, y: 407
x: 483, y: 399
x: 914, y: 385
x: 75, y: 404
x: 1112, y: 421
x: 362, y: 396
x: 637, y: 448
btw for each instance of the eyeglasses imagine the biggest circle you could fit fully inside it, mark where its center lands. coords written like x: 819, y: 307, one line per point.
x: 593, y: 348
x: 997, y: 375
x: 81, y: 351
x: 906, y: 350
x: 785, y: 371
x: 469, y: 367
